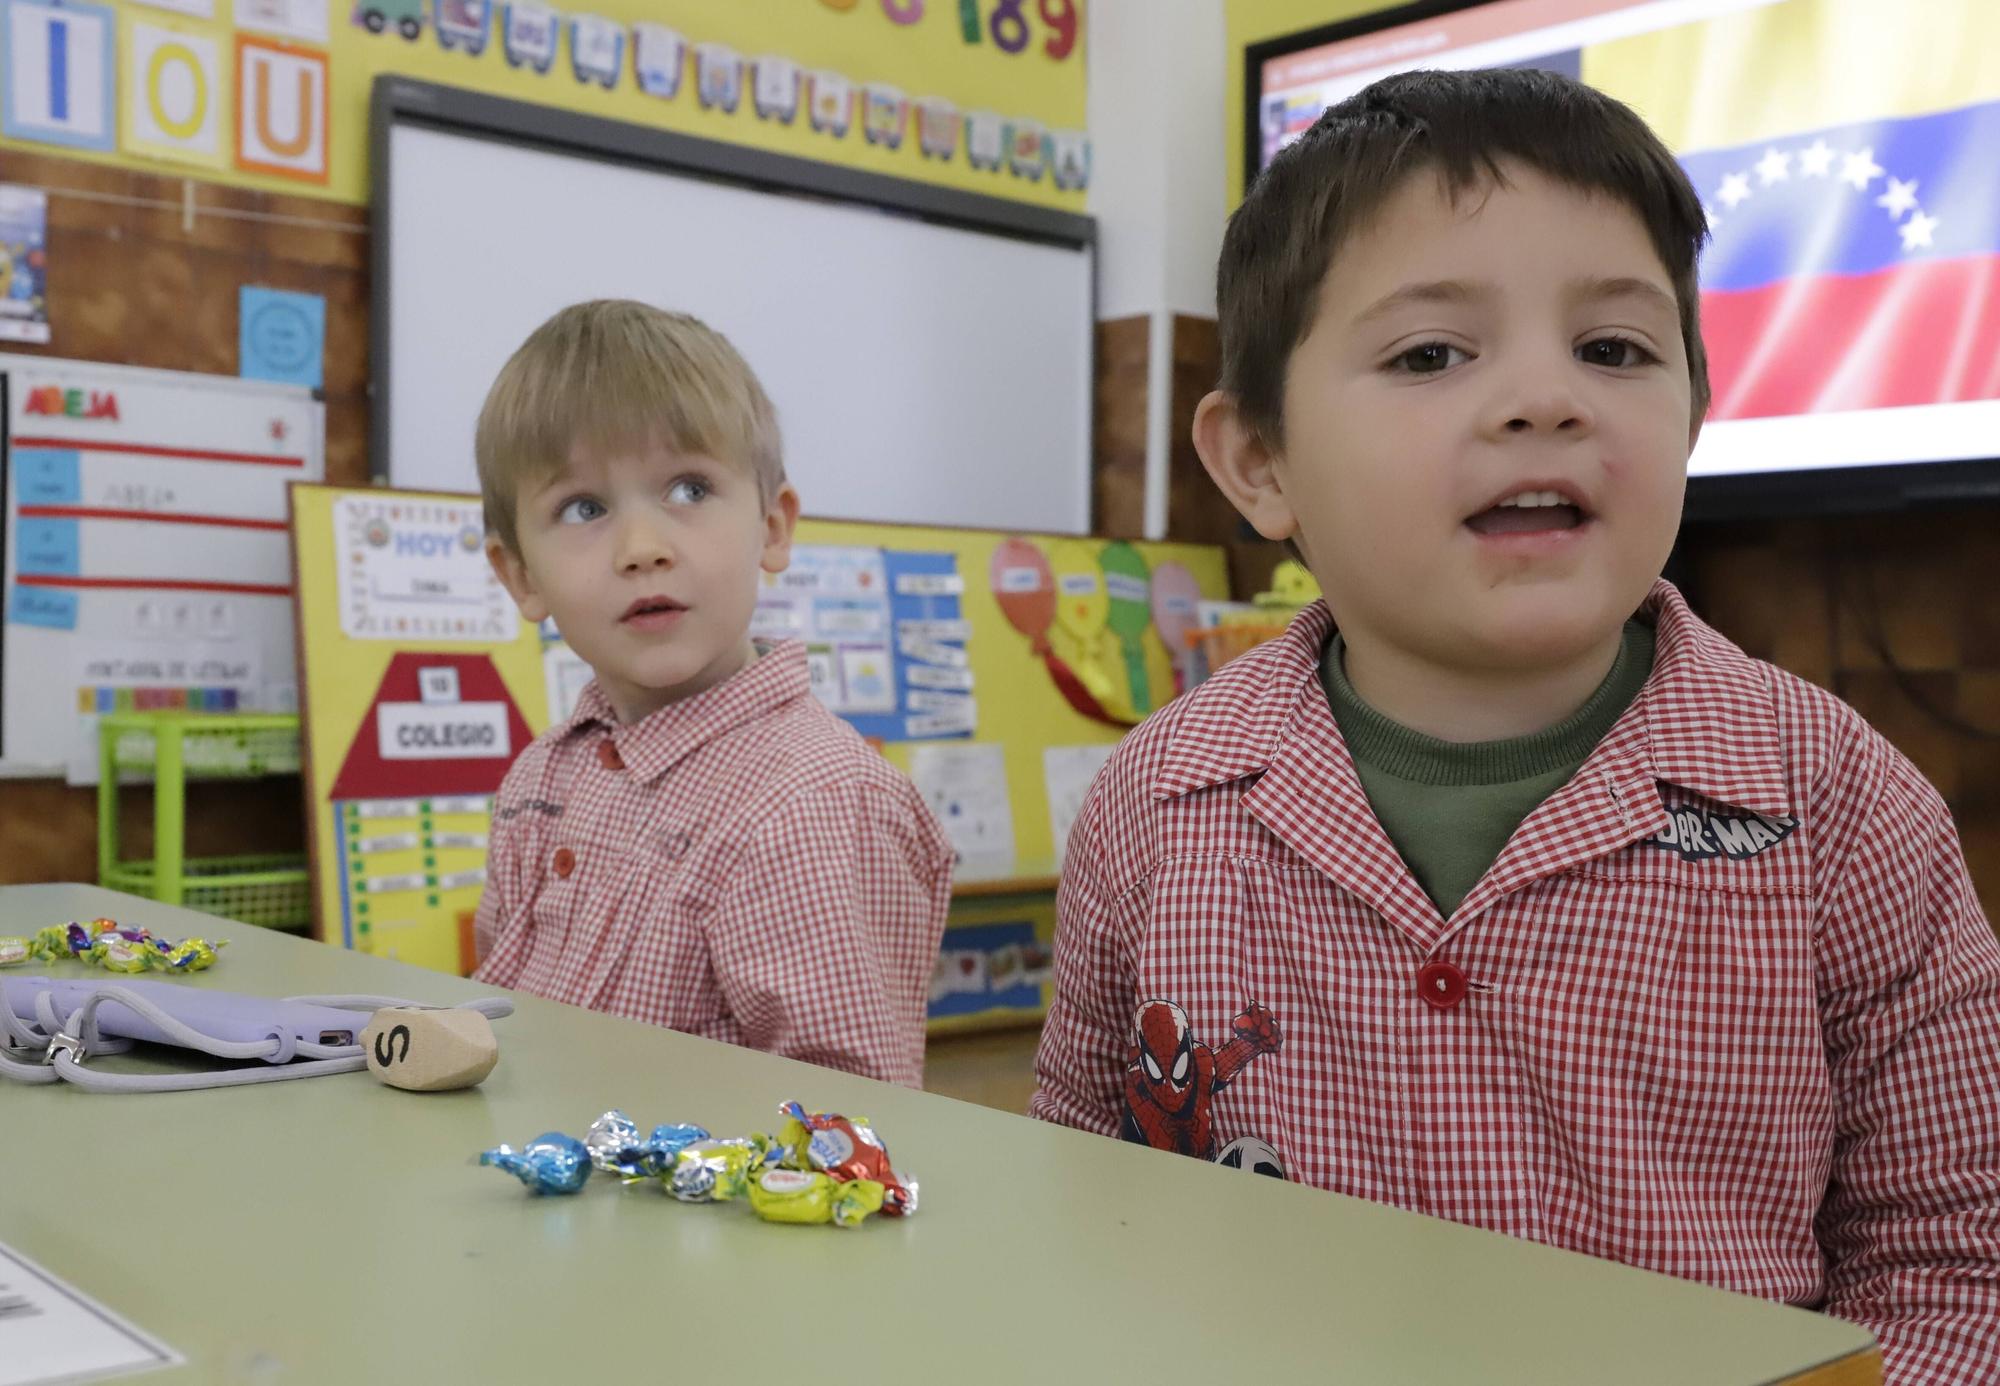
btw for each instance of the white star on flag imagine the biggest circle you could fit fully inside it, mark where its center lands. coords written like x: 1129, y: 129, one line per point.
x: 1816, y: 161
x: 1900, y: 198
x: 1735, y: 188
x: 1774, y: 167
x: 1860, y: 169
x: 1917, y: 231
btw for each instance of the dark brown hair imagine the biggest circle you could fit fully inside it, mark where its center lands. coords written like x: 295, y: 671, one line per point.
x: 1464, y: 126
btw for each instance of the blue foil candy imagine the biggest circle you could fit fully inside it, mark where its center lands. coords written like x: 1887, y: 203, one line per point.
x: 551, y: 1163
x: 614, y: 1146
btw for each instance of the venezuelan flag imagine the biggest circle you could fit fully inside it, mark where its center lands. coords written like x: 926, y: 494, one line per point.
x: 1845, y: 150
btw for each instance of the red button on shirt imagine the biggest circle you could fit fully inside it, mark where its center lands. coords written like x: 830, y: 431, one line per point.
x: 1441, y: 984
x: 565, y: 861
x: 608, y: 757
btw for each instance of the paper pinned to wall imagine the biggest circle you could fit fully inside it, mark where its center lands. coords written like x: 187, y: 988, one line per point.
x: 1068, y: 772
x: 281, y: 336
x: 965, y: 785
x: 24, y: 269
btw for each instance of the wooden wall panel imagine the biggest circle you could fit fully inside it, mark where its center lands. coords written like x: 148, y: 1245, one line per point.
x: 134, y: 281
x: 1118, y: 433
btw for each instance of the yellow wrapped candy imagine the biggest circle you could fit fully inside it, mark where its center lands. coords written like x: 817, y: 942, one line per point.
x: 789, y: 1195
x: 115, y: 953
x: 717, y: 1171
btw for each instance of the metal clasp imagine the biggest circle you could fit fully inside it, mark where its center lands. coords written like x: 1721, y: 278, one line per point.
x: 63, y: 1043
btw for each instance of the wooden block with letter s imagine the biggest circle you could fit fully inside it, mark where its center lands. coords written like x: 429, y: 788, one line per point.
x: 429, y: 1051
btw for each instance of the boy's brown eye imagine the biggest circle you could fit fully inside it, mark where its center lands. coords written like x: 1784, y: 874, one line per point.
x: 1427, y: 359
x: 1612, y: 351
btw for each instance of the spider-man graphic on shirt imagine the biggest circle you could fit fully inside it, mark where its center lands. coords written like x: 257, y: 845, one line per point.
x: 1173, y: 1077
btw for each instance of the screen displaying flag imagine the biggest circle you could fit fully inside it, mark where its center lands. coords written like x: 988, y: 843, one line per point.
x: 1851, y: 289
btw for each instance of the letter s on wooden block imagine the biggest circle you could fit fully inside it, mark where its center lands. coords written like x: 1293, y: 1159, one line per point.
x: 429, y: 1051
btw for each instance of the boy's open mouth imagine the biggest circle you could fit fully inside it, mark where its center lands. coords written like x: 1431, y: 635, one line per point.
x: 1529, y: 512
x: 651, y: 606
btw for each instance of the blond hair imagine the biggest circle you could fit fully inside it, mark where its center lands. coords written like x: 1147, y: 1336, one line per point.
x: 615, y: 376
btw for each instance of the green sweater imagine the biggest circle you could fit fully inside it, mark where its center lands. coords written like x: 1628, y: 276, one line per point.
x: 1449, y: 807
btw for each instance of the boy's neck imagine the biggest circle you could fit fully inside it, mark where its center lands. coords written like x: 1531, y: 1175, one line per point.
x: 1468, y: 705
x: 635, y: 704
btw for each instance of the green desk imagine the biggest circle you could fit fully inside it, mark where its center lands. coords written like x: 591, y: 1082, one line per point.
x: 336, y: 1230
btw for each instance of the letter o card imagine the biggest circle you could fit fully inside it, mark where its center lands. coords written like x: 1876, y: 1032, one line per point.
x: 176, y: 100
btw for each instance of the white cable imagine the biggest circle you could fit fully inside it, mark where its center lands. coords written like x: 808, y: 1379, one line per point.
x: 82, y: 1025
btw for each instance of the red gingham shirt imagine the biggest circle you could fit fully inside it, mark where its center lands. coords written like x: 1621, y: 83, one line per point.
x: 741, y: 865
x: 1768, y: 1059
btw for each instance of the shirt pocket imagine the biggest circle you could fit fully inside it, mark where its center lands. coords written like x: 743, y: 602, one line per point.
x: 1674, y: 1076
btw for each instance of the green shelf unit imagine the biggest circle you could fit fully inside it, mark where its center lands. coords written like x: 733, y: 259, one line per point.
x: 171, y: 748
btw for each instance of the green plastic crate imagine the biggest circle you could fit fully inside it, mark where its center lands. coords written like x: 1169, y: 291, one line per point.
x: 171, y: 748
x: 267, y: 890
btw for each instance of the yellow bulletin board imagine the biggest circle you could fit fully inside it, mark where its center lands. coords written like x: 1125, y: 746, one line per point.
x: 982, y: 95
x: 996, y: 670
x: 418, y: 685
x: 1034, y: 608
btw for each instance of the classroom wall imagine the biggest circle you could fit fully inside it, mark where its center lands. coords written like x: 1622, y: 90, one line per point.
x: 133, y: 279
x: 1022, y: 64
x: 146, y: 259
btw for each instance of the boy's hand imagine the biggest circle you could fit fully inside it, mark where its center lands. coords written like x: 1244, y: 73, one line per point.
x: 1259, y: 1027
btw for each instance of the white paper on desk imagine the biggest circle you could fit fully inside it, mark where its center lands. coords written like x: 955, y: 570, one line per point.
x: 966, y: 787
x: 1068, y: 771
x: 49, y: 1331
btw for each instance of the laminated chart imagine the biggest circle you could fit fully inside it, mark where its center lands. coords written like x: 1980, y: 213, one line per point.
x: 148, y: 563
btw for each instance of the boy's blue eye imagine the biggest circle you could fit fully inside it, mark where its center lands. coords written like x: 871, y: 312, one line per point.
x: 688, y: 491
x: 1615, y: 352
x: 581, y: 510
x: 1428, y: 358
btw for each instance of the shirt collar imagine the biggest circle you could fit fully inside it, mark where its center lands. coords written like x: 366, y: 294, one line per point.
x: 1703, y: 721
x: 656, y: 743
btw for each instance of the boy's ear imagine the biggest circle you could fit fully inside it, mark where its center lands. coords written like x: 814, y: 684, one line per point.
x: 1243, y: 465
x: 781, y: 517
x: 513, y: 575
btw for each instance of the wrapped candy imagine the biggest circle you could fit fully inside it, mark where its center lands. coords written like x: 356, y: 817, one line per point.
x: 715, y: 1171
x: 845, y: 1148
x: 800, y: 1196
x: 615, y: 1147
x: 125, y: 948
x: 189, y: 955
x: 63, y: 941
x: 551, y: 1163
x: 115, y: 953
x: 609, y: 1136
x: 115, y: 947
